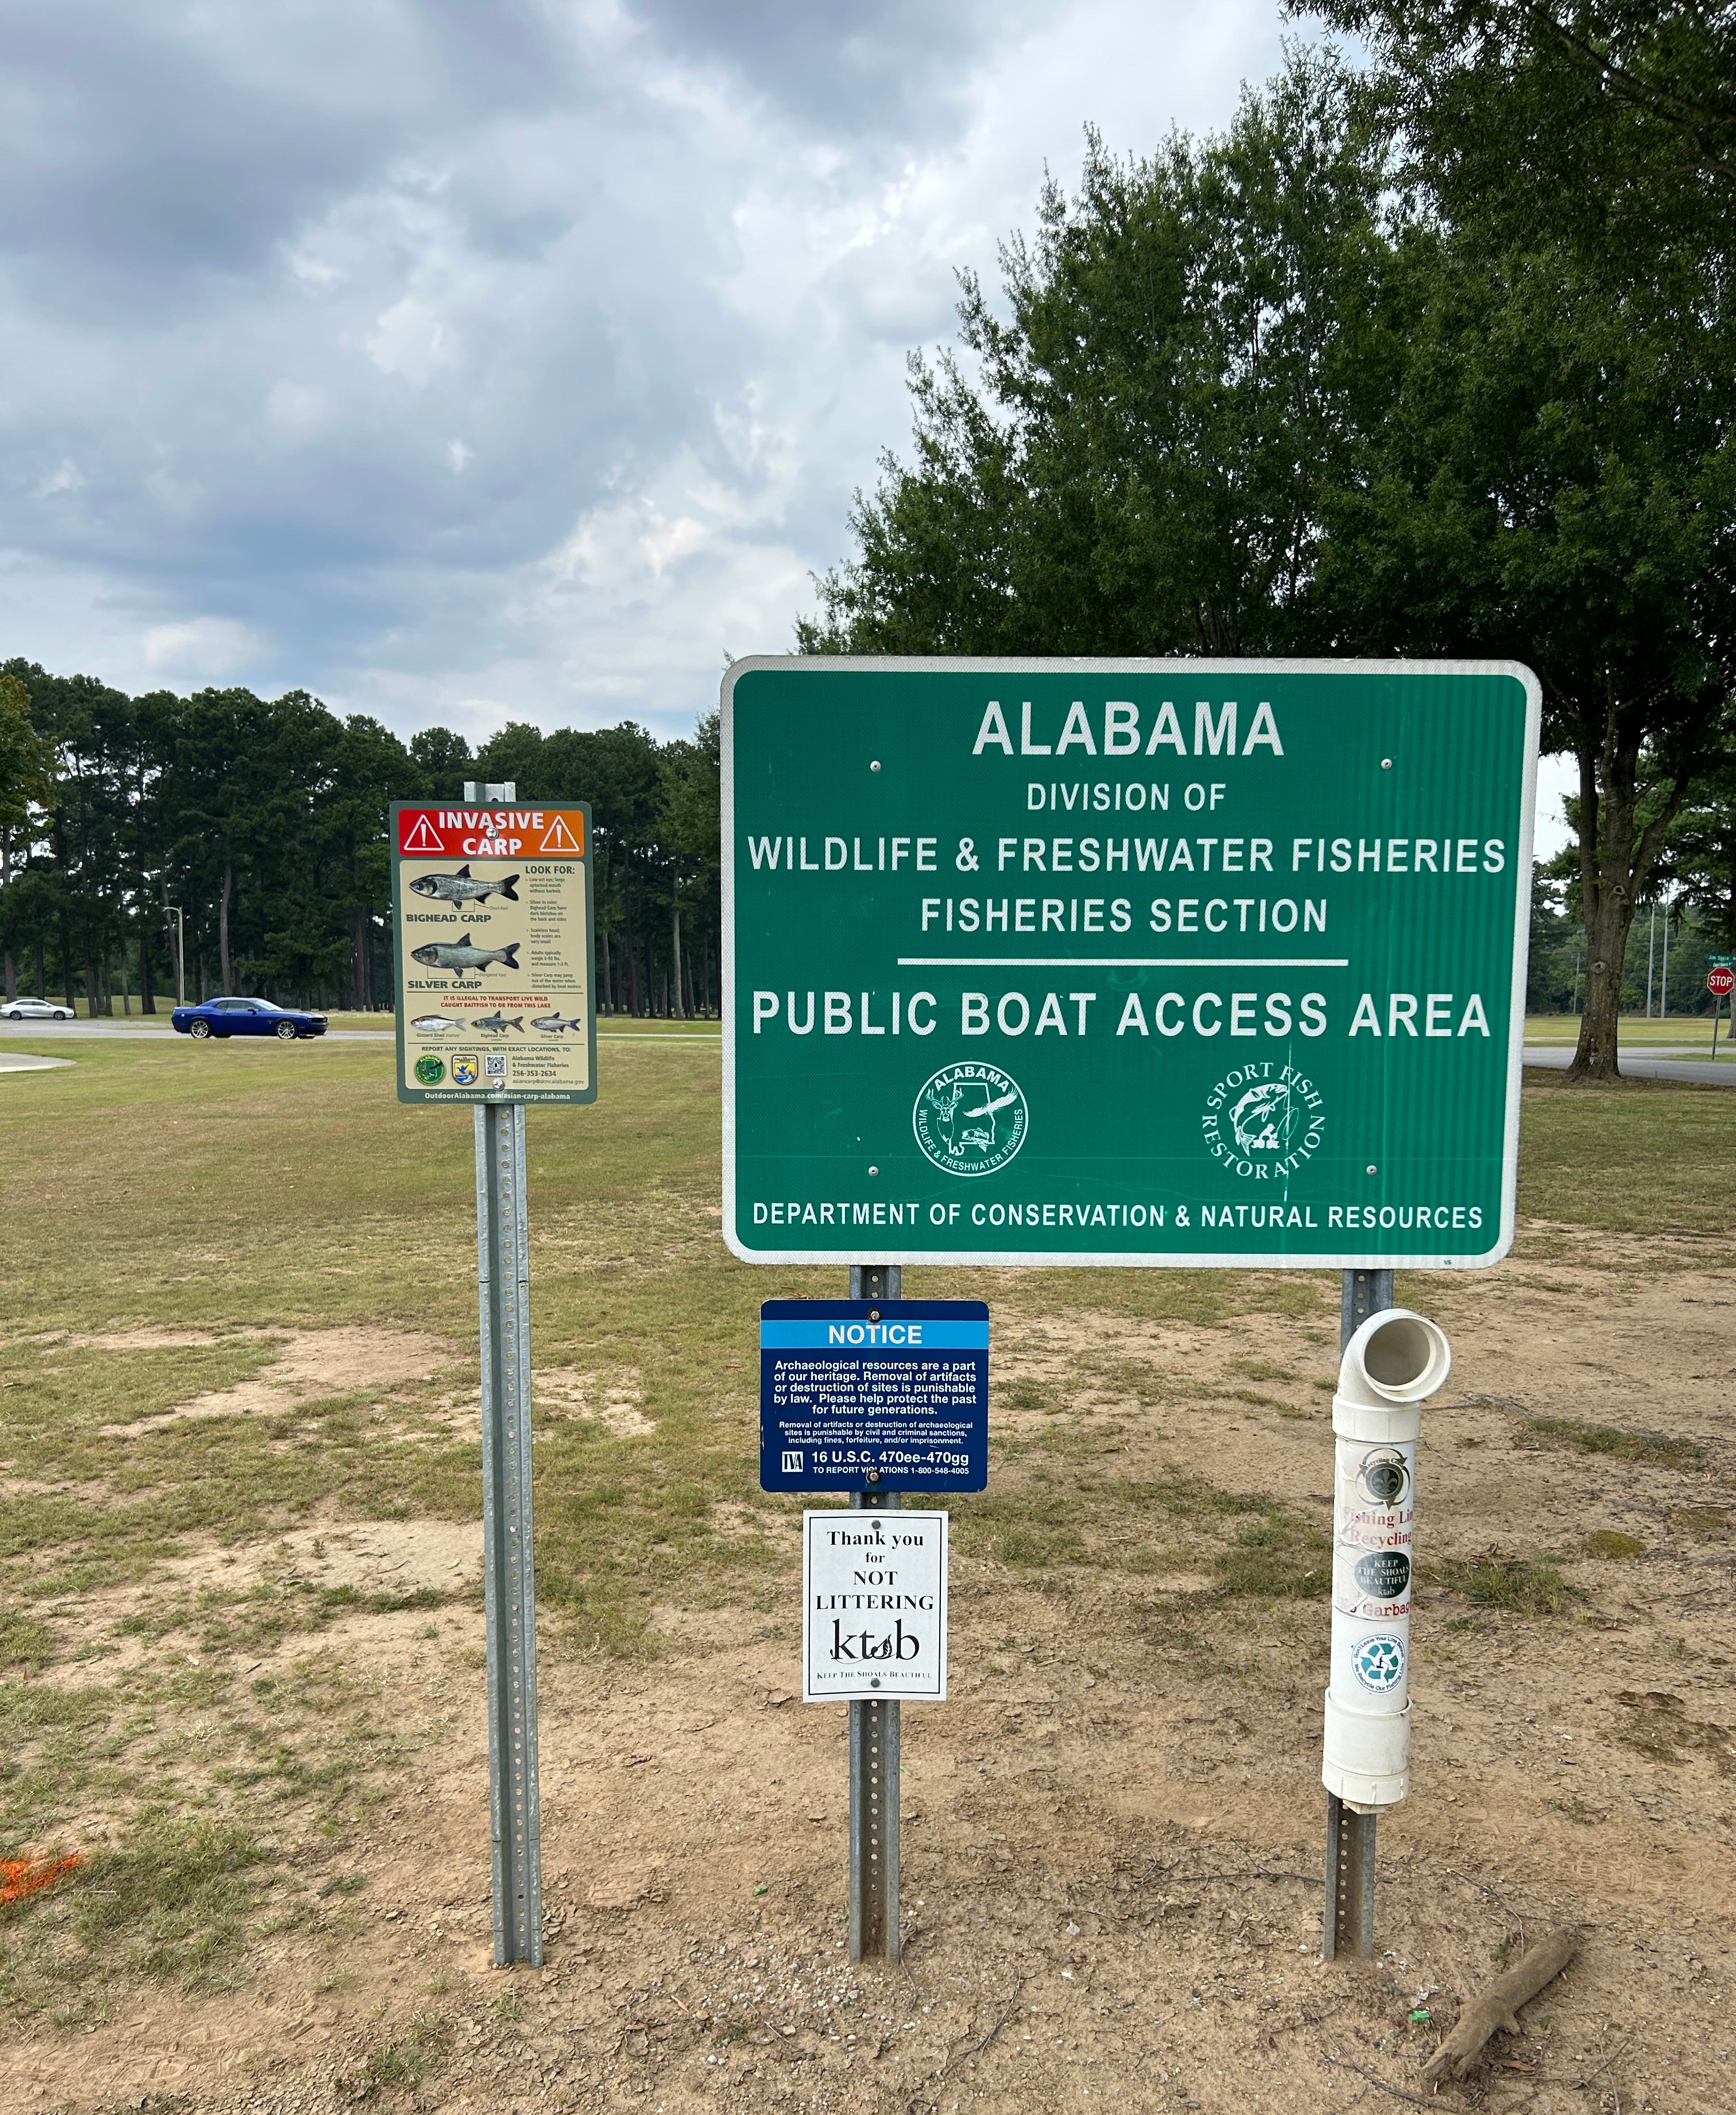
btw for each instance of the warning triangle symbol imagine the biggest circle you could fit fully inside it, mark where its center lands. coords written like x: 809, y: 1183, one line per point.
x: 558, y: 838
x: 423, y: 838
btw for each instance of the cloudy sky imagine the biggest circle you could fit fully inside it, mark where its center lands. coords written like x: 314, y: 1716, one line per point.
x: 462, y: 361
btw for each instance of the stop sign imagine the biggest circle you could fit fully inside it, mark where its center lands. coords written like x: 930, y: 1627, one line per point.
x: 1721, y: 982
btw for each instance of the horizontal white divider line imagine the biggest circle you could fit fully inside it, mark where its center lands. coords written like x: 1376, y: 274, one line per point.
x: 1123, y: 961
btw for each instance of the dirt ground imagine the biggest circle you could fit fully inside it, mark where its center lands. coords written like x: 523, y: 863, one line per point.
x: 1112, y: 1832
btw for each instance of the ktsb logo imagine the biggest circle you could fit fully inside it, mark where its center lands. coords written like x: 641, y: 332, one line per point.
x: 897, y: 1644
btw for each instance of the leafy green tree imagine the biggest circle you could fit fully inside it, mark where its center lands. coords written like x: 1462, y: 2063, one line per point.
x: 1137, y: 460
x: 1553, y: 482
x: 1700, y: 857
x: 1608, y: 124
x: 1557, y: 481
x: 440, y: 762
x: 27, y: 789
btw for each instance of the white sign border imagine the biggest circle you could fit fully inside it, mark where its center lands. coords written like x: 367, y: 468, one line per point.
x: 889, y: 1251
x: 813, y: 1516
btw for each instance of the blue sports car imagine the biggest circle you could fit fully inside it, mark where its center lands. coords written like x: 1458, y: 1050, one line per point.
x: 246, y: 1016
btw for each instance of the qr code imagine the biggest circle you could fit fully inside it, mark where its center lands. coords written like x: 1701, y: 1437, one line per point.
x: 495, y: 1064
x: 792, y: 1461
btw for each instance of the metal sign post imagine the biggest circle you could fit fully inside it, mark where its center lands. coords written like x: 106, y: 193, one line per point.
x: 1720, y: 981
x: 503, y: 1274
x: 1350, y: 1835
x: 494, y: 936
x: 874, y: 1744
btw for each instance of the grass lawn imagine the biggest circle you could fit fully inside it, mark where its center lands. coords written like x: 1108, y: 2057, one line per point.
x: 241, y: 1195
x: 1687, y: 1029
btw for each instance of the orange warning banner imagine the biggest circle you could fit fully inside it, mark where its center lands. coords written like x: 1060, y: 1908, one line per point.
x: 493, y: 832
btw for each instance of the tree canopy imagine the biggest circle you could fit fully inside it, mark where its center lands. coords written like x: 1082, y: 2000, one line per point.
x: 1264, y: 394
x: 264, y: 821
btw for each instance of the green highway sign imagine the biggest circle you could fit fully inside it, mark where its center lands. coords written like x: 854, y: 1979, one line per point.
x: 1100, y: 961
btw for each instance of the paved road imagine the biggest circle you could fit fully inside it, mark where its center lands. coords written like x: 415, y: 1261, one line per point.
x: 121, y: 1031
x: 1647, y: 1068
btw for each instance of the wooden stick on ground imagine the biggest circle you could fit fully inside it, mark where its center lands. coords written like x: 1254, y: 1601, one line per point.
x: 1497, y: 2006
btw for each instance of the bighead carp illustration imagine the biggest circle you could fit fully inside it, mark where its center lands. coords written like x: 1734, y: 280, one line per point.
x: 552, y: 1024
x: 460, y: 887
x: 498, y: 1024
x: 463, y: 954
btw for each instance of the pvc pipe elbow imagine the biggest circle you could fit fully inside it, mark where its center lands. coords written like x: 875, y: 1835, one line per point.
x: 1396, y: 1361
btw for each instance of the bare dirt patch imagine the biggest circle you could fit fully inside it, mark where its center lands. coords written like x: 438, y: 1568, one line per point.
x: 308, y: 1364
x: 1112, y: 1833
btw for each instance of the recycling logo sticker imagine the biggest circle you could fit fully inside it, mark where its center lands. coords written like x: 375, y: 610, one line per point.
x: 1263, y: 1120
x: 970, y: 1119
x: 1383, y: 1477
x: 1378, y: 1663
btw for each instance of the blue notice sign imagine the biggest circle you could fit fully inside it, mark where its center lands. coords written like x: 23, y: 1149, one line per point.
x: 858, y: 1394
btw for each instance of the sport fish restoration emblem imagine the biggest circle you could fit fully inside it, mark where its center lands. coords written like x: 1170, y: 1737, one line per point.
x: 970, y: 1119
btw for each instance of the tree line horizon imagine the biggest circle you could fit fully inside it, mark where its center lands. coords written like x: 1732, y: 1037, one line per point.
x: 265, y: 824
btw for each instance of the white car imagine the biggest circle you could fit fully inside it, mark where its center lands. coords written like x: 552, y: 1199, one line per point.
x: 33, y: 1009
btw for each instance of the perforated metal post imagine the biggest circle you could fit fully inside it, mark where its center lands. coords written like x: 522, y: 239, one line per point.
x: 1350, y: 1835
x: 874, y: 1747
x: 503, y: 1273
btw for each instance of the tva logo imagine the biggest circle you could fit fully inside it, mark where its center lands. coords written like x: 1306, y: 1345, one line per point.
x: 897, y: 1644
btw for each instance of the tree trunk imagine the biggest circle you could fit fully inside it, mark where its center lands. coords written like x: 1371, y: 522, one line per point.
x: 147, y: 989
x: 1617, y: 855
x: 223, y: 926
x: 675, y: 927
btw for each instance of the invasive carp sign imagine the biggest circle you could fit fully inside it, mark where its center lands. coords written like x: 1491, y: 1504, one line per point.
x: 494, y: 953
x: 1191, y: 962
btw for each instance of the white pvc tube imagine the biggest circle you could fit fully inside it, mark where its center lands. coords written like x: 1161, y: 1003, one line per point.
x: 1393, y: 1361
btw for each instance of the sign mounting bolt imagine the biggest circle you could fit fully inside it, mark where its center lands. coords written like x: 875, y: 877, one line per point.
x: 1385, y: 764
x: 874, y: 766
x: 1372, y: 1169
x: 873, y: 1171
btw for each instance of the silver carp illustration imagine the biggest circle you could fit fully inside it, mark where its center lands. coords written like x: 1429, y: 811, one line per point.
x: 460, y: 887
x: 552, y: 1024
x: 498, y: 1024
x: 463, y: 954
x: 434, y: 1024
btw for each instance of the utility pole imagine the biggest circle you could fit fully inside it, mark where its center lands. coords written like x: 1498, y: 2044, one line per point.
x: 1663, y: 1009
x: 172, y: 911
x: 1651, y: 949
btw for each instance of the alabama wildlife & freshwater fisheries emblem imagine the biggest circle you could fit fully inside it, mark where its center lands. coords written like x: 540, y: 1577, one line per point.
x: 970, y: 1119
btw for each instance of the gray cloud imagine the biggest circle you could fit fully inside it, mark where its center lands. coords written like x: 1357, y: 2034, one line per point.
x: 467, y: 361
